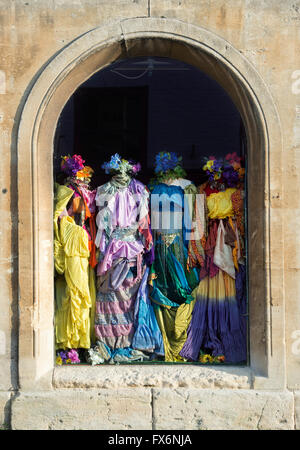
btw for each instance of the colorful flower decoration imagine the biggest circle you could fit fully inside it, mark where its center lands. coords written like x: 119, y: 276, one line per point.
x: 118, y: 164
x: 59, y: 361
x: 165, y: 161
x: 233, y: 158
x: 74, y: 167
x: 86, y: 172
x: 205, y: 358
x: 93, y: 357
x: 230, y: 176
x: 68, y: 357
x: 228, y: 170
x: 73, y: 356
x: 168, y: 166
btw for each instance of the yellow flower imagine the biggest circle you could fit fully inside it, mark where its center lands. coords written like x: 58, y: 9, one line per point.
x: 209, y: 164
x: 205, y: 358
x: 68, y: 361
x: 86, y: 172
x: 217, y: 176
x: 59, y: 361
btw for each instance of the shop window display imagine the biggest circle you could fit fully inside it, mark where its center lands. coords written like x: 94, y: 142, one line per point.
x: 152, y: 273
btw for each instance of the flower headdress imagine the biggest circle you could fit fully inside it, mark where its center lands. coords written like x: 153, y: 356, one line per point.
x: 74, y: 167
x: 228, y: 170
x: 168, y: 166
x: 120, y: 165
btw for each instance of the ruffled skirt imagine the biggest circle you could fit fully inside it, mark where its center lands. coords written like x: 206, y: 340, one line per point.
x: 217, y: 326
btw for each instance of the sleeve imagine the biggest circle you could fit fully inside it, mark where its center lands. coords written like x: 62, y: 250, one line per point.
x: 144, y: 220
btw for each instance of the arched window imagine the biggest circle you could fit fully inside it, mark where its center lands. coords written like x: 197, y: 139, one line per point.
x: 137, y: 108
x: 39, y: 112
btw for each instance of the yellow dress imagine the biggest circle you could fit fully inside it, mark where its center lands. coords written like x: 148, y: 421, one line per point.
x: 73, y: 299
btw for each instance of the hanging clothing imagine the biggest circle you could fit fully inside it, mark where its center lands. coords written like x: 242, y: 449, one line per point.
x: 72, y: 284
x: 223, y: 252
x: 147, y: 336
x: 170, y: 280
x: 83, y: 208
x: 220, y: 205
x: 173, y: 323
x: 196, y: 252
x: 218, y: 323
x: 123, y: 238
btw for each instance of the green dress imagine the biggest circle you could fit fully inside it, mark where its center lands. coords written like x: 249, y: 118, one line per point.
x: 171, y: 281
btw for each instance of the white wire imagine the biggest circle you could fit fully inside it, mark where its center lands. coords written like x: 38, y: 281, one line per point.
x: 130, y: 78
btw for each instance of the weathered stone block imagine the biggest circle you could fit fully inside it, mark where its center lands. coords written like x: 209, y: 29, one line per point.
x: 188, y: 409
x: 120, y: 409
x: 174, y: 376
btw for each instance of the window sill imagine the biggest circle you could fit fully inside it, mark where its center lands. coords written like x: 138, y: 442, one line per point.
x: 171, y: 376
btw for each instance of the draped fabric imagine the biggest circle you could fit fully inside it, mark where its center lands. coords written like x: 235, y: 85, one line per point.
x: 218, y: 325
x: 220, y: 205
x: 114, y: 318
x: 173, y: 323
x: 196, y: 253
x: 171, y: 283
x: 147, y: 336
x: 124, y: 239
x: 72, y: 285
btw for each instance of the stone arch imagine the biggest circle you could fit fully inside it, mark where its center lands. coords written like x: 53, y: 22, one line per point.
x: 49, y: 92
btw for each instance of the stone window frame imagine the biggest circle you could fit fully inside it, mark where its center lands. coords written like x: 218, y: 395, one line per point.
x: 40, y: 108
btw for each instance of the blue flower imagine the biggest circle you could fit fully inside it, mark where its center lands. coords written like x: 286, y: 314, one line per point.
x: 114, y: 163
x: 165, y: 161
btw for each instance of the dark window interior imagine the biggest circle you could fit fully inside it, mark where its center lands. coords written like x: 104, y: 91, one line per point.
x: 139, y: 107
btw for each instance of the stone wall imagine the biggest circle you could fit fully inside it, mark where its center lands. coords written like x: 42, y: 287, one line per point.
x: 266, y: 33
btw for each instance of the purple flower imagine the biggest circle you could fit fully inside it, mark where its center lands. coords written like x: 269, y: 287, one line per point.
x: 72, y: 164
x: 63, y: 356
x: 231, y: 177
x: 217, y: 165
x: 136, y: 168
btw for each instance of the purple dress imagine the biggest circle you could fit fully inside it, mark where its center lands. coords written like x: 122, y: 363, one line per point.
x: 123, y: 238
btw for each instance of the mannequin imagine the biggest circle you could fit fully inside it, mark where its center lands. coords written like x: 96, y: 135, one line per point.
x: 125, y: 244
x: 74, y: 256
x: 217, y: 331
x: 171, y: 283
